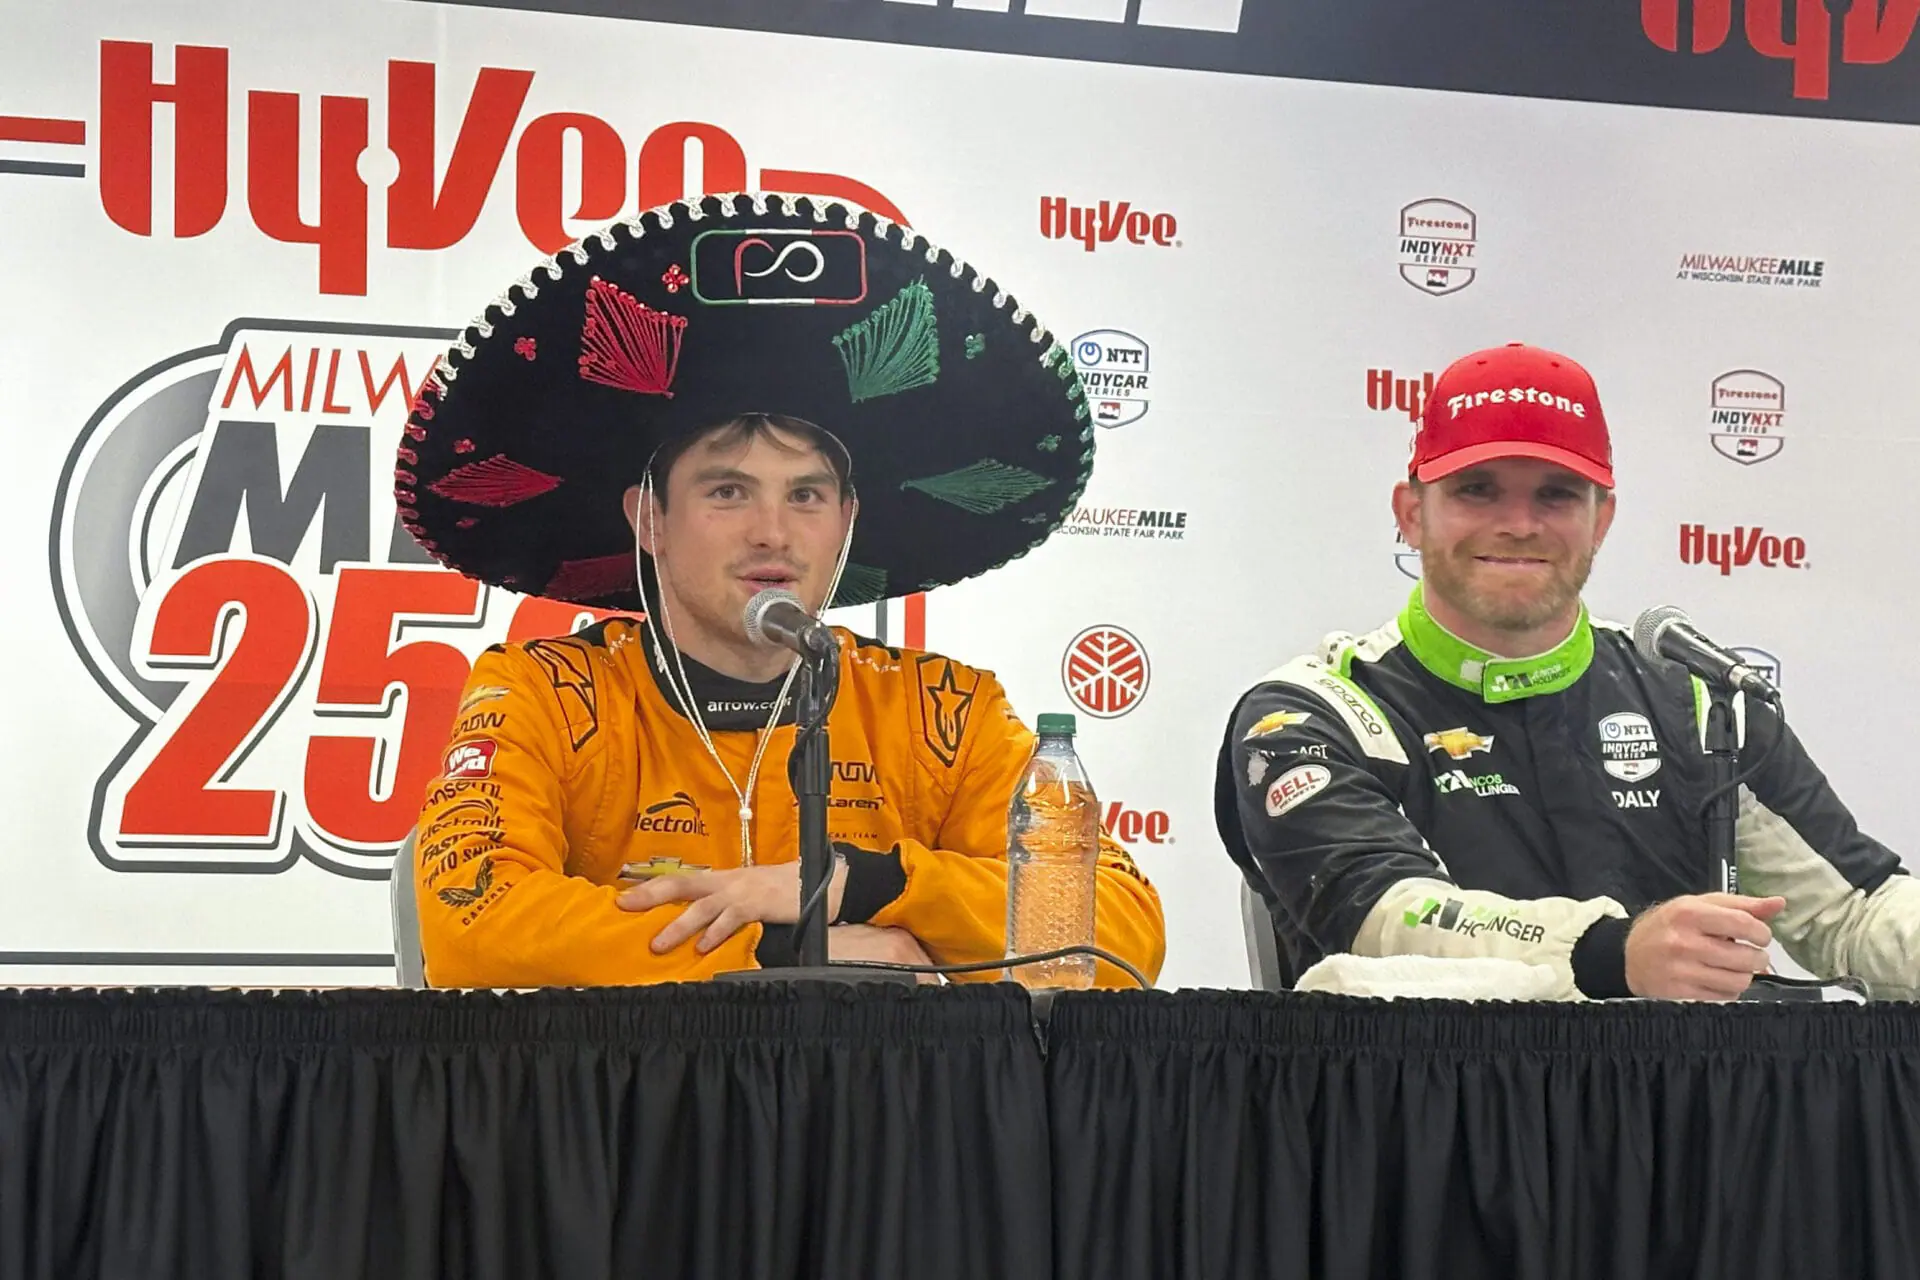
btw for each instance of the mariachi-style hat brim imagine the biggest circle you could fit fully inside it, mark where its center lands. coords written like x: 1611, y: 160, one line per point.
x: 965, y: 419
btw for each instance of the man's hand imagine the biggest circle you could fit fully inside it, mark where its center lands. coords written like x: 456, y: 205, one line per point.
x: 721, y: 903
x: 1704, y: 947
x: 867, y: 942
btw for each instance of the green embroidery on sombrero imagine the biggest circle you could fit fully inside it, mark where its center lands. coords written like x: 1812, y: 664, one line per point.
x: 1049, y: 444
x: 860, y: 584
x: 1062, y: 366
x: 894, y: 349
x: 983, y: 487
x: 976, y: 343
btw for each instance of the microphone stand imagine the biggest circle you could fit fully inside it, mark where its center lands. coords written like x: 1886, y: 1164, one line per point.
x: 1722, y: 745
x: 1723, y: 766
x: 816, y: 686
x: 815, y: 689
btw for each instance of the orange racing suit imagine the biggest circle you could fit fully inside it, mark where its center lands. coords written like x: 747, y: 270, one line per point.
x: 571, y: 760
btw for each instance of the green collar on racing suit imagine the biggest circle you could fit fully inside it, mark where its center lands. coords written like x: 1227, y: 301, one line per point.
x: 1495, y: 679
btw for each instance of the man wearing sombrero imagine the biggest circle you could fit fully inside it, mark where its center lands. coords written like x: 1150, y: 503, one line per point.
x: 679, y: 412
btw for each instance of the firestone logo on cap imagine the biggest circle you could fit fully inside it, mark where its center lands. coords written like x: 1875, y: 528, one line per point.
x: 1456, y: 405
x: 1514, y: 401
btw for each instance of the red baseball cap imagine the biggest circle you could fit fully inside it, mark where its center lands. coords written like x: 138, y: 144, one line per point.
x: 1514, y: 401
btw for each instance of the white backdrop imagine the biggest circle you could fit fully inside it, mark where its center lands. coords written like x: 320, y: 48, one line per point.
x: 1268, y: 329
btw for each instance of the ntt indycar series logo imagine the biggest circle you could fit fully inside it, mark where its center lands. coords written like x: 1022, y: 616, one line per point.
x: 229, y: 565
x: 1116, y: 368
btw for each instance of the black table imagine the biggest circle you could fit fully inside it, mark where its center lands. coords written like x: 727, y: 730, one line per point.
x: 835, y: 1132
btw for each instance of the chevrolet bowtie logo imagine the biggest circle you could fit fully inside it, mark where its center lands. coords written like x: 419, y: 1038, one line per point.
x: 1269, y: 725
x: 1459, y: 743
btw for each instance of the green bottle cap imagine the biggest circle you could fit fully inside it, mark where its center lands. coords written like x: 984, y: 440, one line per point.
x: 1056, y: 725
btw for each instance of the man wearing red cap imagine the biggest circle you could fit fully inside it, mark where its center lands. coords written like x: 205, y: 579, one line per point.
x: 1494, y: 774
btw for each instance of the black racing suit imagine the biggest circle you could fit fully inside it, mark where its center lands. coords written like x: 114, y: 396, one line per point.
x: 1406, y: 793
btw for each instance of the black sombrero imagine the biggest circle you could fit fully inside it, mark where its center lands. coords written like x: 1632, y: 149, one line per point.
x: 965, y: 420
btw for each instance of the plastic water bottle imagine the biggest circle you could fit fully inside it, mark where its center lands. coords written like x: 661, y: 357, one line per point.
x: 1053, y: 845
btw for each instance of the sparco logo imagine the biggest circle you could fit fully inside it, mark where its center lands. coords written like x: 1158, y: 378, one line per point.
x: 1387, y: 394
x: 1106, y: 223
x: 229, y: 565
x: 303, y: 189
x: 1749, y: 415
x: 1189, y: 15
x: 677, y: 815
x: 1740, y: 548
x: 1115, y: 367
x: 1875, y: 32
x: 1439, y: 246
x: 1362, y: 714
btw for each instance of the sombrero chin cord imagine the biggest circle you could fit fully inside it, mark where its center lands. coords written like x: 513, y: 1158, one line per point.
x: 677, y: 675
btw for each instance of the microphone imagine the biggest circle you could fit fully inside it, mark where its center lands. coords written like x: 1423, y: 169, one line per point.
x: 776, y: 617
x: 1666, y: 632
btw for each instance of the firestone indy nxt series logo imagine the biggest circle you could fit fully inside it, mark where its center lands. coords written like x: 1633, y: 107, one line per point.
x: 230, y: 567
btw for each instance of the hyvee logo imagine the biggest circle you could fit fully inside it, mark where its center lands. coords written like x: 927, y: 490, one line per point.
x: 677, y: 815
x: 1387, y: 393
x: 1125, y: 522
x: 253, y: 480
x: 445, y: 169
x: 1730, y: 268
x: 1749, y: 416
x: 1742, y: 547
x: 1106, y: 223
x: 1189, y: 15
x: 1114, y: 367
x: 1131, y: 826
x: 1439, y: 246
x: 1875, y: 32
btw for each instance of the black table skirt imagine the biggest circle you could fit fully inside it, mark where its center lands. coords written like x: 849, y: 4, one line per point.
x: 882, y: 1132
x: 1237, y: 1134
x: 676, y: 1131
